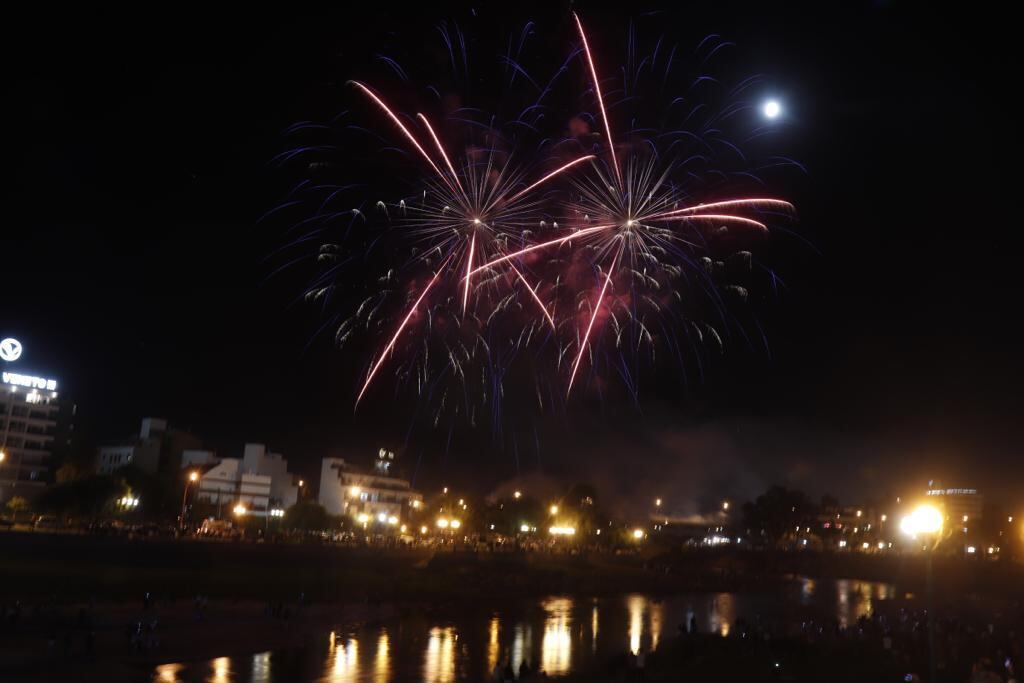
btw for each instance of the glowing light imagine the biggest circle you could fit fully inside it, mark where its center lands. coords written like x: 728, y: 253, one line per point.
x: 725, y: 505
x: 381, y: 517
x: 771, y: 109
x: 10, y: 349
x: 392, y: 520
x: 657, y: 502
x: 971, y: 550
x: 638, y: 534
x: 553, y: 509
x: 925, y: 519
x: 455, y: 524
x: 442, y: 523
x: 524, y: 528
x: 518, y: 494
x: 363, y: 518
x: 556, y: 645
x: 562, y: 531
x: 193, y: 476
x: 240, y: 510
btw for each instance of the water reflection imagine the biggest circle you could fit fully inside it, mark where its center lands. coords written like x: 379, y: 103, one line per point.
x: 439, y: 666
x: 221, y: 670
x: 556, y: 647
x: 382, y: 661
x: 493, y: 646
x: 722, y: 615
x: 655, y: 610
x: 167, y: 673
x: 261, y: 667
x: 342, y: 660
x: 560, y: 634
x: 635, y: 607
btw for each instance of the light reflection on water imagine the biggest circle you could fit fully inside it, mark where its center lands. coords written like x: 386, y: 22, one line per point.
x: 557, y: 643
x: 561, y: 634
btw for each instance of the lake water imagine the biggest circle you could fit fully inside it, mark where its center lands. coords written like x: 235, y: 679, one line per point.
x: 562, y: 634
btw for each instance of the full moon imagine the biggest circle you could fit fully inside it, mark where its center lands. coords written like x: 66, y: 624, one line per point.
x: 771, y: 109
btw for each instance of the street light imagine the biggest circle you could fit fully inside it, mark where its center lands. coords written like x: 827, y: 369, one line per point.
x: 657, y: 502
x: 193, y: 476
x: 240, y: 510
x: 554, y: 509
x: 926, y: 520
x: 638, y: 534
x: 517, y: 495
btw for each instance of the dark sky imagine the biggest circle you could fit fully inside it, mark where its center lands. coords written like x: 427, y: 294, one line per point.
x: 136, y: 272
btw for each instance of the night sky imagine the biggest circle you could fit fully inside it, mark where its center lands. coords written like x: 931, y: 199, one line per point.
x: 137, y: 273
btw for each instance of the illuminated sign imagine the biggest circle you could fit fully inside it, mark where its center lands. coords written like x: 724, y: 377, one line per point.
x: 952, y: 492
x: 29, y: 381
x: 10, y: 349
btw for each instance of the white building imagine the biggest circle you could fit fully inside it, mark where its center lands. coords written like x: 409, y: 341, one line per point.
x: 258, y: 480
x: 346, y: 490
x: 33, y: 424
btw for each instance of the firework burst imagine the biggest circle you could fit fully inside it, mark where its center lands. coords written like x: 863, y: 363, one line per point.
x: 577, y: 256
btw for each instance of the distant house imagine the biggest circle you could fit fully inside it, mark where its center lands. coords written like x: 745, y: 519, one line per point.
x: 370, y: 495
x: 259, y: 480
x: 157, y: 447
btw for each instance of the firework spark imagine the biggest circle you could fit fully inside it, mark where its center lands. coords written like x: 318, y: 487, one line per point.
x: 466, y: 216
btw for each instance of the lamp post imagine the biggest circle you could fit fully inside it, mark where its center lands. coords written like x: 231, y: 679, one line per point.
x: 926, y: 521
x: 193, y: 476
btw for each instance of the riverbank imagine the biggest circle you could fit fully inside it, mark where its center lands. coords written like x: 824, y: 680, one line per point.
x: 68, y: 568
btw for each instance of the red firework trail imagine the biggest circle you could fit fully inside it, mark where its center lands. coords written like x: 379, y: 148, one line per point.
x: 551, y: 175
x: 469, y: 267
x: 723, y: 218
x: 398, y: 332
x: 593, y: 317
x: 533, y: 293
x: 600, y: 98
x: 527, y: 250
x: 398, y: 122
x: 440, y: 148
x: 754, y: 201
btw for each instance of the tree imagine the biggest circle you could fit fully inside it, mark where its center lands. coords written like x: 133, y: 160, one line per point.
x: 307, y: 516
x: 777, y: 513
x: 16, y: 505
x: 86, y: 497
